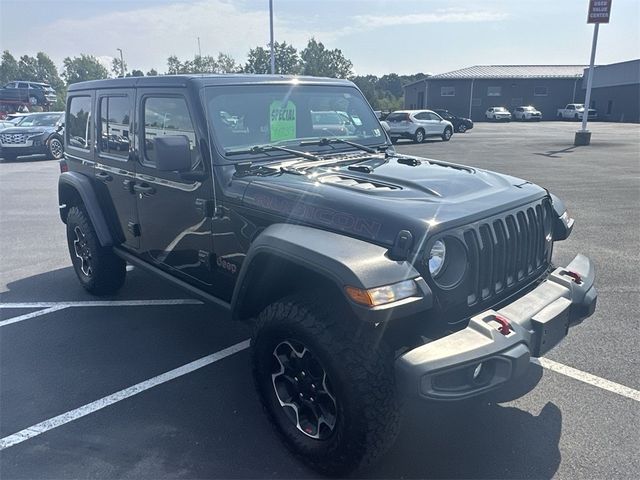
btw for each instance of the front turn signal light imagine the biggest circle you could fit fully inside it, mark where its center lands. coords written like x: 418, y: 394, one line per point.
x: 373, y: 297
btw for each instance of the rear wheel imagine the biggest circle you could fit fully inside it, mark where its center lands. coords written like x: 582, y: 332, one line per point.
x: 99, y: 270
x: 446, y: 135
x: 462, y: 128
x: 327, y: 388
x: 418, y: 137
x: 33, y: 101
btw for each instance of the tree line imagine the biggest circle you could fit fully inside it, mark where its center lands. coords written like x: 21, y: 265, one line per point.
x: 383, y: 93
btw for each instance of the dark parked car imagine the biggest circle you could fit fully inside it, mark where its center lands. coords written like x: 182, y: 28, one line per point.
x: 460, y: 124
x: 366, y: 275
x: 36, y: 133
x: 33, y: 93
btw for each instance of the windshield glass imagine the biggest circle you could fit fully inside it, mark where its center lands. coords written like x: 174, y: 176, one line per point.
x: 40, y: 120
x: 244, y: 116
x: 528, y: 109
x: 499, y: 109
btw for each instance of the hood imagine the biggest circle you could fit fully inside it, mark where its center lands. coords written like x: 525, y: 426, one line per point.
x: 378, y: 197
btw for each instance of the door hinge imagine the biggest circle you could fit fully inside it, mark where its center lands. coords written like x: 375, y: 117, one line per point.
x: 134, y: 228
x: 206, y: 207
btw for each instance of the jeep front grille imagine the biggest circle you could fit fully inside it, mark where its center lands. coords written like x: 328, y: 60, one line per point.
x: 13, y: 138
x: 508, y: 250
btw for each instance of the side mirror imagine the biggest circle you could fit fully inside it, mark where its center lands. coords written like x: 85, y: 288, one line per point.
x: 385, y: 125
x: 173, y: 153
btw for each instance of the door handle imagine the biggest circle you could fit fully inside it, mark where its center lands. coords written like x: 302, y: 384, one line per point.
x: 144, y: 188
x: 105, y: 177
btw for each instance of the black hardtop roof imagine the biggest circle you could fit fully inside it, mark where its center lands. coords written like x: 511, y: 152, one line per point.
x: 202, y: 80
x: 29, y: 81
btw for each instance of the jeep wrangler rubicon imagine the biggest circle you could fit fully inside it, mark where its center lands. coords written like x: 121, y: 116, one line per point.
x: 368, y: 276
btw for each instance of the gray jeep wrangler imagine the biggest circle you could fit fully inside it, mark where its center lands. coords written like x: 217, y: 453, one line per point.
x: 369, y: 276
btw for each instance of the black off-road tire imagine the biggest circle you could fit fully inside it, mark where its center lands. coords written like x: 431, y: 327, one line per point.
x: 358, y: 368
x: 102, y: 272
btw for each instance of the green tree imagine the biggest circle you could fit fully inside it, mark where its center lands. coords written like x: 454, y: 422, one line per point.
x: 226, y: 64
x: 116, y: 67
x: 321, y: 62
x: 174, y: 66
x: 28, y: 69
x: 83, y: 68
x: 286, y: 58
x: 152, y: 73
x: 137, y: 73
x: 8, y: 68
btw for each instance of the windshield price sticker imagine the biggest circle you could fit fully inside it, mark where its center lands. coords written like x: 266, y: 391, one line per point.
x: 283, y: 120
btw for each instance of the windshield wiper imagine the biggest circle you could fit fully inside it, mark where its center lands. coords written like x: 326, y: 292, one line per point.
x: 258, y: 149
x: 328, y: 141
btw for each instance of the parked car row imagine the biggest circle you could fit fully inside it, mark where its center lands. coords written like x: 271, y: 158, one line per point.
x: 32, y: 134
x: 418, y: 125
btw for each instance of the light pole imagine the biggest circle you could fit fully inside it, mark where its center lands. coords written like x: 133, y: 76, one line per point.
x: 121, y: 62
x: 199, y: 50
x: 273, y: 56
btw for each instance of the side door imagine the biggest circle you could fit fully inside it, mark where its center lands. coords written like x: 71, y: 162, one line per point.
x: 115, y: 162
x: 79, y: 134
x: 173, y: 207
x: 23, y: 91
x: 436, y: 124
x: 422, y: 120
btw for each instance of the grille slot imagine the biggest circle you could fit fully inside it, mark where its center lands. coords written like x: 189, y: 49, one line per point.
x: 13, y: 138
x: 505, y: 251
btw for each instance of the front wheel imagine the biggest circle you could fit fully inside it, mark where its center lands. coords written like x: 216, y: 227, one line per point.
x: 446, y: 135
x: 99, y: 270
x: 328, y: 389
x: 56, y: 150
x: 33, y: 101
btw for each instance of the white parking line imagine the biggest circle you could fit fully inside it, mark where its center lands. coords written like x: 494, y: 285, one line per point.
x: 85, y: 410
x: 104, y: 303
x: 588, y: 378
x: 27, y: 316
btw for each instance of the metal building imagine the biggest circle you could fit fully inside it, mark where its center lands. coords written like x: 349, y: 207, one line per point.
x: 470, y: 91
x: 615, y: 92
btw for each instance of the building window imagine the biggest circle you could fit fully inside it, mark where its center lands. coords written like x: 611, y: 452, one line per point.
x: 494, y: 91
x: 609, y: 107
x: 476, y: 102
x: 77, y: 121
x: 540, y: 91
x: 447, y: 91
x: 114, y: 126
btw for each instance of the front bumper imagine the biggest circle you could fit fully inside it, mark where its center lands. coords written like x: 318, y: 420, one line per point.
x: 24, y: 149
x: 481, y: 357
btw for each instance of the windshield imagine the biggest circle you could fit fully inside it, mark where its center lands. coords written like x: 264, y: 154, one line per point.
x: 528, y: 109
x: 245, y: 116
x: 499, y: 109
x: 40, y: 120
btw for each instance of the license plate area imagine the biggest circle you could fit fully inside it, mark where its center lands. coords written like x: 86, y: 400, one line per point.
x: 550, y: 326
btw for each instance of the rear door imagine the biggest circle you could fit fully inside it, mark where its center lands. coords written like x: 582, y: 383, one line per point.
x: 115, y: 165
x: 173, y: 208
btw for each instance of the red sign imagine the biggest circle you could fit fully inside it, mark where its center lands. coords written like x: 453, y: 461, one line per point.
x: 599, y: 11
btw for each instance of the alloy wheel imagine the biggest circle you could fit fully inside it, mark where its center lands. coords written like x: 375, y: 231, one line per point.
x: 82, y: 251
x: 55, y: 147
x: 303, y: 390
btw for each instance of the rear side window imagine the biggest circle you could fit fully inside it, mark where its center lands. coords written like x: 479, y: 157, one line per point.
x: 78, y: 131
x: 114, y: 126
x: 168, y: 116
x: 396, y: 117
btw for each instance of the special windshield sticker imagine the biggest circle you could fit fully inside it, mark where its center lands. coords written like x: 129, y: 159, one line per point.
x: 282, y: 120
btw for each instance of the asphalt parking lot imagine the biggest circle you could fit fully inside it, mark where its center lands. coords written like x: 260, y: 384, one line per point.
x: 137, y: 386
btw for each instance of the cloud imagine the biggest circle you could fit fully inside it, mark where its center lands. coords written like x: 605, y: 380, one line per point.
x: 449, y: 15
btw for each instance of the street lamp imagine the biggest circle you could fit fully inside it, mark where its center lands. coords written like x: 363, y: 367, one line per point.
x: 273, y: 57
x: 121, y: 62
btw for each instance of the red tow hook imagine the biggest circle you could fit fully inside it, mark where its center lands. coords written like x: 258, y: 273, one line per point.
x: 575, y: 276
x: 505, y: 328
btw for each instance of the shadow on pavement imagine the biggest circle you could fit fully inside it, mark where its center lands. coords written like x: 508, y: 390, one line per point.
x: 556, y: 153
x: 62, y: 285
x: 476, y: 439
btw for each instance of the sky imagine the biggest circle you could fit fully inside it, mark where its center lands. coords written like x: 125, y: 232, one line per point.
x: 378, y: 36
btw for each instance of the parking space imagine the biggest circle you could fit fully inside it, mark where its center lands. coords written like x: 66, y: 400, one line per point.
x: 153, y: 384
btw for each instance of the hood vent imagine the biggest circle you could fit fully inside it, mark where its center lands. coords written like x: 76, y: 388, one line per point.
x: 357, y: 183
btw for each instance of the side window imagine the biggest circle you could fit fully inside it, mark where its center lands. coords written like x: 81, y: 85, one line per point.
x: 77, y: 128
x: 114, y: 126
x: 168, y: 116
x: 571, y: 107
x: 434, y: 117
x: 23, y: 85
x: 421, y: 116
x: 10, y: 85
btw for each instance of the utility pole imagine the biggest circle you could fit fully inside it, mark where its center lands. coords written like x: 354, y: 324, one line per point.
x: 199, y: 50
x: 121, y: 62
x: 273, y: 55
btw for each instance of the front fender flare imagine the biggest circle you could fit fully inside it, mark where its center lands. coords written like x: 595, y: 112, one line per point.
x: 343, y: 260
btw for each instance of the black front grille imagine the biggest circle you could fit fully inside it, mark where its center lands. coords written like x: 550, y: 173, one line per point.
x: 506, y: 251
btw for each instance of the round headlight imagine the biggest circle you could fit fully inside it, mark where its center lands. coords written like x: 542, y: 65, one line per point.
x: 436, y: 258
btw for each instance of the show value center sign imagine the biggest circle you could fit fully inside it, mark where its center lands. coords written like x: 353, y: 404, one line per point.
x: 599, y: 11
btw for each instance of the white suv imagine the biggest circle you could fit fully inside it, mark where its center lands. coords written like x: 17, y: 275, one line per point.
x: 498, y: 114
x: 417, y: 125
x: 525, y: 113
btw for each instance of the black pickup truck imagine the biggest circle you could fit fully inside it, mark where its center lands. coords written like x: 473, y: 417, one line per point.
x: 368, y: 276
